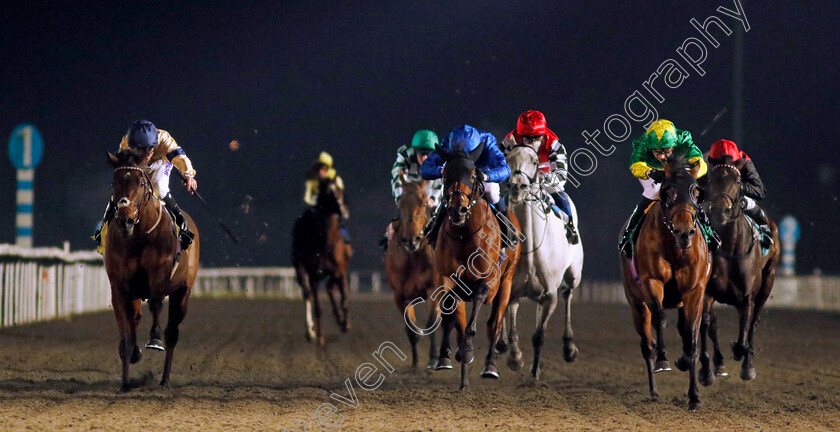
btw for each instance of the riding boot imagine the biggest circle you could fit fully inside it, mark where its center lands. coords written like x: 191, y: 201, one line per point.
x: 635, y: 218
x: 109, y: 213
x: 430, y: 231
x: 712, y: 237
x: 571, y: 232
x: 186, y: 235
x: 758, y: 215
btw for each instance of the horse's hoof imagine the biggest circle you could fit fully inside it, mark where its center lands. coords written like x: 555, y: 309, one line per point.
x: 661, y: 366
x: 443, y: 363
x: 748, y: 374
x: 345, y: 325
x: 535, y: 372
x: 721, y: 371
x: 706, y: 377
x: 570, y: 353
x: 501, y: 347
x: 155, y: 344
x: 683, y: 364
x: 322, y: 341
x: 125, y: 388
x: 464, y: 356
x: 515, y: 363
x: 654, y: 396
x: 310, y: 336
x: 431, y: 364
x: 693, y: 405
x: 490, y: 372
x: 136, y: 355
x: 165, y: 384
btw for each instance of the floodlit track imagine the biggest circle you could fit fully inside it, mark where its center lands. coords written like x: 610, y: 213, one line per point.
x: 244, y: 365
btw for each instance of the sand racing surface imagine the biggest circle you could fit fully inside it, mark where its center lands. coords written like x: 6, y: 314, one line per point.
x: 245, y: 365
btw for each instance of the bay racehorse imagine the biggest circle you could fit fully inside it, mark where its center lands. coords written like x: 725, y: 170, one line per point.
x: 471, y: 262
x: 141, y: 244
x: 742, y: 274
x: 670, y: 269
x: 548, y: 264
x: 409, y: 264
x: 320, y: 251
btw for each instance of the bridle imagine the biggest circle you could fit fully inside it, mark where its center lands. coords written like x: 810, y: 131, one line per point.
x: 472, y: 197
x: 532, y: 178
x: 148, y: 193
x: 733, y: 201
x: 667, y: 219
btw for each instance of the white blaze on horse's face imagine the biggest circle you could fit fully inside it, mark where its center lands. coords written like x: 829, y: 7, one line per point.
x: 523, y: 162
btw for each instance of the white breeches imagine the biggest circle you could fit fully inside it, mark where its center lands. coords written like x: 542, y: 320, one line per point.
x: 492, y: 192
x: 651, y: 189
x: 160, y: 177
x: 749, y: 203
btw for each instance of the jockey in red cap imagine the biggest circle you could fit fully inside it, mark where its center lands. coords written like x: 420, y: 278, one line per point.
x: 531, y: 130
x: 727, y: 152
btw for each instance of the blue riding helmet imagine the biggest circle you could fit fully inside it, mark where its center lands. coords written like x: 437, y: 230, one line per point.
x: 142, y: 134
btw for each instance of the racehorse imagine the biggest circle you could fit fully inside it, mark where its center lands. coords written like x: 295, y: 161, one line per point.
x: 320, y: 251
x: 670, y: 269
x: 547, y: 263
x: 742, y: 275
x: 408, y: 263
x: 471, y: 262
x: 141, y: 244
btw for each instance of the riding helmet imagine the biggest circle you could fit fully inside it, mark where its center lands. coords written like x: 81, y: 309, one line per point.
x: 661, y: 135
x: 531, y: 123
x: 142, y: 134
x: 424, y: 141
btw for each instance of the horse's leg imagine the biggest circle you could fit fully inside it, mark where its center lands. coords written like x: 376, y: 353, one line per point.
x: 570, y: 350
x: 155, y: 342
x: 658, y: 322
x: 124, y: 313
x: 707, y: 378
x: 740, y: 348
x: 413, y: 337
x: 136, y: 354
x: 642, y: 322
x: 461, y: 329
x: 717, y: 357
x: 345, y: 312
x: 693, y: 311
x: 433, y: 316
x: 747, y: 368
x: 547, y: 305
x: 502, y: 345
x: 316, y: 312
x: 178, y: 302
x: 332, y: 292
x: 515, y: 357
x: 305, y: 283
x: 494, y: 327
x: 443, y: 361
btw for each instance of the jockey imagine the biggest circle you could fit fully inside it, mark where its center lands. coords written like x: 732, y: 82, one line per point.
x: 161, y: 153
x: 491, y: 164
x: 726, y: 152
x: 407, y: 167
x: 322, y: 169
x: 531, y: 131
x: 650, y: 150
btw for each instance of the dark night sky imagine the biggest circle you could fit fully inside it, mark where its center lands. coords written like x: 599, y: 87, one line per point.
x: 289, y: 79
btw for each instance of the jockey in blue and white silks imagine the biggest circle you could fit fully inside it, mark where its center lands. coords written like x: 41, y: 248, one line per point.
x: 491, y: 163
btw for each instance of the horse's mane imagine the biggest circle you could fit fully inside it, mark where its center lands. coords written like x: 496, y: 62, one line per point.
x: 680, y: 169
x: 129, y: 157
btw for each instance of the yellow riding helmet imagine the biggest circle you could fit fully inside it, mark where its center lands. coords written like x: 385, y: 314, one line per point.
x: 325, y: 159
x: 661, y: 135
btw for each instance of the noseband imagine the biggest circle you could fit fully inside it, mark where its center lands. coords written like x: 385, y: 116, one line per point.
x: 471, y: 197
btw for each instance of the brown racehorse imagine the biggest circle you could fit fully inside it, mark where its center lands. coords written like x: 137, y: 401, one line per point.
x: 742, y: 276
x: 469, y: 263
x: 408, y: 263
x: 673, y: 264
x: 140, y: 248
x: 320, y: 251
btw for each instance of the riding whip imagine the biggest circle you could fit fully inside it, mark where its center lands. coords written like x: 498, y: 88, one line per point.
x: 209, y: 210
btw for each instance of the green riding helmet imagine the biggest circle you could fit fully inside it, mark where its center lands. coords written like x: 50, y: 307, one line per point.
x: 661, y: 135
x: 424, y: 141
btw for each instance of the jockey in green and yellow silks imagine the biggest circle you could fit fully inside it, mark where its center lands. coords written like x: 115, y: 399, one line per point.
x: 650, y: 151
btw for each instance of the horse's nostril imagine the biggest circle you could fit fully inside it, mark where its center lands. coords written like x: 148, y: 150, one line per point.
x: 462, y: 210
x: 692, y: 232
x: 522, y: 186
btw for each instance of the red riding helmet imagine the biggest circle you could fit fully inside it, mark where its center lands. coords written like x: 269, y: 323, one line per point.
x: 726, y: 148
x: 531, y: 123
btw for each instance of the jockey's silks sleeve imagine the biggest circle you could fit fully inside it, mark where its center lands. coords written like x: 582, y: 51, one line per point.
x: 430, y: 170
x: 169, y: 150
x: 310, y: 191
x: 643, y: 159
x: 751, y: 183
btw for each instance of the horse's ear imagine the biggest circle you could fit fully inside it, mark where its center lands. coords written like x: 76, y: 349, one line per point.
x: 476, y: 153
x: 740, y: 163
x: 113, y: 159
x: 444, y: 154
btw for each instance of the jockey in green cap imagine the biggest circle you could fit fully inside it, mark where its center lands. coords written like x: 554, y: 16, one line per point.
x: 650, y: 150
x: 406, y: 168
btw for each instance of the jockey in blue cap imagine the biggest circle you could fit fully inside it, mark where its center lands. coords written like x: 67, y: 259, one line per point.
x: 491, y: 164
